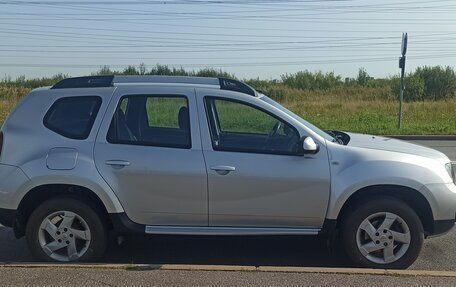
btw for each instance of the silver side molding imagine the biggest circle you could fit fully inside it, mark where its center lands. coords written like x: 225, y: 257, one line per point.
x: 204, y: 230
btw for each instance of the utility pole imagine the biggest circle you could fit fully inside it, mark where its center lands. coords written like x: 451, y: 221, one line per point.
x: 402, y: 67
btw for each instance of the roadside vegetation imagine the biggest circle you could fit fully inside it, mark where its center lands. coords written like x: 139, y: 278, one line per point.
x: 361, y: 104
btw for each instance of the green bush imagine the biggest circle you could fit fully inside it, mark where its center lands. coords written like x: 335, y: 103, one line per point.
x: 439, y: 82
x: 414, y: 87
x: 427, y: 83
x: 21, y: 81
x: 306, y: 80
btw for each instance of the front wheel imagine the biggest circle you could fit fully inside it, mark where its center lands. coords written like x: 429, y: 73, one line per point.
x: 66, y: 230
x: 383, y: 233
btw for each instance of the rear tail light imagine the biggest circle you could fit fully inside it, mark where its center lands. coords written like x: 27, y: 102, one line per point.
x: 451, y: 168
x: 453, y: 171
x: 1, y: 142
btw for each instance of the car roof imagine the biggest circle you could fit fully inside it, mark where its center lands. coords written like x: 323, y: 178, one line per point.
x: 114, y: 80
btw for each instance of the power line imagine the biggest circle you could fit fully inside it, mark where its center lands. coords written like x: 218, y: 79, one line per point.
x: 201, y: 51
x: 199, y: 41
x: 177, y: 33
x: 244, y: 2
x: 204, y: 44
x: 129, y: 12
x: 416, y: 32
x: 221, y: 65
x: 182, y: 2
x: 232, y: 44
x: 255, y: 18
x: 275, y: 10
x: 297, y: 57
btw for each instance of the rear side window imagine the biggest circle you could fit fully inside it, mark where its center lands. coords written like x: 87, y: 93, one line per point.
x: 73, y: 117
x: 163, y: 112
x: 153, y: 120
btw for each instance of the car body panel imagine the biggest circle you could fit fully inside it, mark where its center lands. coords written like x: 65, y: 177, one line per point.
x: 13, y: 182
x: 264, y: 190
x: 161, y: 185
x: 389, y: 144
x: 354, y: 168
x: 27, y: 145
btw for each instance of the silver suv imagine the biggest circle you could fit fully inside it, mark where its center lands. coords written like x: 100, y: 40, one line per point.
x: 208, y: 156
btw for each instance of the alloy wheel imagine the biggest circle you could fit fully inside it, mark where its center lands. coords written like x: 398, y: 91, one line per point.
x: 64, y: 236
x: 383, y: 237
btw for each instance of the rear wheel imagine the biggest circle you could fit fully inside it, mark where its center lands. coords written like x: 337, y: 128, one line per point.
x: 382, y: 233
x: 66, y: 230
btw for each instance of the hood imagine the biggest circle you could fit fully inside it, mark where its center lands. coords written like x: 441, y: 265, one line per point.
x: 394, y: 145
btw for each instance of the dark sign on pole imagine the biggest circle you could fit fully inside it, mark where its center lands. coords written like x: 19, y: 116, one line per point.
x: 402, y: 67
x: 404, y: 44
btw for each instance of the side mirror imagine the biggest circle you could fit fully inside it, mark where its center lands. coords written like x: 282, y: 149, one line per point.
x: 308, y: 146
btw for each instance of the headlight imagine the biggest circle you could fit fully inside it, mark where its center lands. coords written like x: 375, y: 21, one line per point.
x: 451, y: 169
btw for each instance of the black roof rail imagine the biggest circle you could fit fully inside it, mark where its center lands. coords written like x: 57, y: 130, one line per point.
x: 233, y: 85
x: 85, y: 82
x: 109, y: 81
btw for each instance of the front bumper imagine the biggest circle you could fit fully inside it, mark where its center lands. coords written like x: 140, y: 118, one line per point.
x: 442, y: 199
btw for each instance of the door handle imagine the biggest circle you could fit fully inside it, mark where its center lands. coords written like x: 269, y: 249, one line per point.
x: 118, y: 163
x: 223, y: 169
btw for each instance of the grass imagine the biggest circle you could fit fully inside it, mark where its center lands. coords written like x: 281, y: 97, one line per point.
x: 235, y: 117
x: 373, y: 111
x: 364, y: 110
x: 380, y: 116
x: 9, y: 97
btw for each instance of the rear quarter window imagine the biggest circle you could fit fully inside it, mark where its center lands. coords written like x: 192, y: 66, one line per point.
x: 73, y: 117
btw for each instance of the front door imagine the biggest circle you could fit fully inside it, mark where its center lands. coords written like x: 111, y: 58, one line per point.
x: 150, y: 154
x: 255, y: 177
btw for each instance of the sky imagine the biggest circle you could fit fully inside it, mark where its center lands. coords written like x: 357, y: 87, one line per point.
x: 251, y: 38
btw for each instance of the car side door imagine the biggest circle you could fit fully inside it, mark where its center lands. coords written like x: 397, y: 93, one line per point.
x: 148, y: 150
x: 255, y: 176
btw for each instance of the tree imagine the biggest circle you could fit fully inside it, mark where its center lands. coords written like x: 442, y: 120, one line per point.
x: 439, y: 82
x: 306, y: 80
x: 103, y: 71
x: 142, y: 69
x: 414, y: 87
x: 130, y: 70
x: 363, y: 77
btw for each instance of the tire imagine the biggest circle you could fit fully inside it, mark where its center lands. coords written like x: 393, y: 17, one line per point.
x: 68, y: 229
x: 403, y: 238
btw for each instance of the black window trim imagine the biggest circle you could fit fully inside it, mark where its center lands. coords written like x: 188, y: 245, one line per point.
x: 92, y: 118
x: 209, y: 119
x: 144, y: 143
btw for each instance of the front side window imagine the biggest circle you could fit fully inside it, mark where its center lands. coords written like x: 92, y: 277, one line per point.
x: 73, y: 117
x: 151, y: 120
x: 237, y: 126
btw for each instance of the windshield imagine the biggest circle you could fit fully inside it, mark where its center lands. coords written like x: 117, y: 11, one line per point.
x: 298, y: 118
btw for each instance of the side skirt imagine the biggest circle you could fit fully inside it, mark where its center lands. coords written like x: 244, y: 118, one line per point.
x: 123, y: 225
x: 184, y: 230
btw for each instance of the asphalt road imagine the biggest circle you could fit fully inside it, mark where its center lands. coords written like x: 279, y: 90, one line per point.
x: 437, y: 254
x: 448, y: 147
x: 91, y: 277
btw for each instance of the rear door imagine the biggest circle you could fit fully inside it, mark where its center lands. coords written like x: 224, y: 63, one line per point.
x: 149, y: 151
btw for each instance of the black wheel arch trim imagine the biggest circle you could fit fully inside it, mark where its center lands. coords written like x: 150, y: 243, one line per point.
x: 441, y: 227
x: 7, y: 217
x: 123, y: 225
